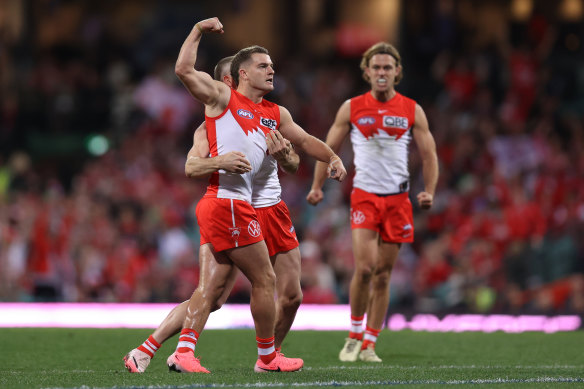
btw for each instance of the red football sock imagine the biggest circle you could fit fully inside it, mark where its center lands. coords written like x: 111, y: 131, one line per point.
x: 370, y: 337
x: 150, y: 346
x: 187, y: 340
x: 266, y: 349
x: 356, y: 331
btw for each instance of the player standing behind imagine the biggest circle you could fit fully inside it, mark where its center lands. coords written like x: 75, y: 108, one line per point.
x: 381, y: 124
x: 238, y: 120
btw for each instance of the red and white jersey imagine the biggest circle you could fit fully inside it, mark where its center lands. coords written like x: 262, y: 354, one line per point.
x: 380, y: 134
x: 243, y: 127
x: 266, y: 184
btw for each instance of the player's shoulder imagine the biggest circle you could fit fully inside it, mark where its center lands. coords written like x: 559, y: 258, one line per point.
x: 406, y: 99
x: 359, y: 98
x: 268, y: 104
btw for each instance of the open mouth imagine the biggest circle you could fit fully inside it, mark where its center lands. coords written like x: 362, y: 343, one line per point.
x: 382, y: 81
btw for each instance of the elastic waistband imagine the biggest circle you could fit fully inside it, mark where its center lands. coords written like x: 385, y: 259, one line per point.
x: 403, y: 188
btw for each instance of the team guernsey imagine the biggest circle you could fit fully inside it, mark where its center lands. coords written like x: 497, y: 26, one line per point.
x: 225, y: 214
x: 380, y: 134
x: 242, y: 127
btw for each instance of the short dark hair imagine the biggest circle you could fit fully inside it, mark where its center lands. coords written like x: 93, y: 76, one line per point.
x: 222, y: 68
x: 242, y: 56
x: 381, y: 48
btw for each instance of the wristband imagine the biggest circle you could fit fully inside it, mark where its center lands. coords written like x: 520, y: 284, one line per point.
x: 199, y: 28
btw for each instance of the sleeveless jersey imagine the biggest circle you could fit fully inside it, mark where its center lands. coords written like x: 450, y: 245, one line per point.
x: 242, y: 127
x: 380, y: 134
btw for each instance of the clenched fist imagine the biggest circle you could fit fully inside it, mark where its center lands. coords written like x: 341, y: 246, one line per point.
x: 210, y: 25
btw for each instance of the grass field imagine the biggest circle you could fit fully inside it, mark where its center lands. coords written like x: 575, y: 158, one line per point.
x: 75, y: 358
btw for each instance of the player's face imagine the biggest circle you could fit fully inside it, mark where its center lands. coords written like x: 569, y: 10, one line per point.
x: 382, y: 71
x: 260, y: 72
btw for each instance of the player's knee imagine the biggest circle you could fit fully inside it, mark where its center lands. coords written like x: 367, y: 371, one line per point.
x: 292, y: 301
x: 364, y: 273
x: 218, y: 304
x: 381, y: 279
x: 265, y: 280
x: 212, y: 296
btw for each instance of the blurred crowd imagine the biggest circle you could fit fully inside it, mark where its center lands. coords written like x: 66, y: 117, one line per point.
x: 504, y: 236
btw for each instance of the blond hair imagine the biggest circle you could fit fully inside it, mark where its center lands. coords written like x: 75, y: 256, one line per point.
x: 381, y: 48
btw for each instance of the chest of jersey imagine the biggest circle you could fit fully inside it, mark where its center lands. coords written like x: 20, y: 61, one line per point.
x: 392, y: 118
x: 253, y: 118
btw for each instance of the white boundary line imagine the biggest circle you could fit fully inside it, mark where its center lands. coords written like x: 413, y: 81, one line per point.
x: 360, y: 383
x: 444, y: 367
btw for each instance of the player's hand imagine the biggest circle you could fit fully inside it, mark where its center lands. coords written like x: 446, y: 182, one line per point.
x: 278, y: 146
x: 335, y: 169
x: 234, y: 162
x: 425, y: 200
x: 315, y: 196
x: 210, y: 25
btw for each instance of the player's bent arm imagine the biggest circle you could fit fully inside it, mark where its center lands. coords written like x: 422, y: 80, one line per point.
x: 311, y: 145
x: 281, y: 149
x: 291, y: 163
x: 427, y: 148
x: 335, y: 137
x: 199, y: 165
x: 200, y: 84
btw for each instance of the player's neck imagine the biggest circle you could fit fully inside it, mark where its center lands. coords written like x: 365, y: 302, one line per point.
x: 383, y: 96
x: 255, y: 95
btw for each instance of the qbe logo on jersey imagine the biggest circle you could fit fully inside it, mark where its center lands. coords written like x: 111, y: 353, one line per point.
x: 270, y: 123
x: 396, y: 122
x: 254, y: 228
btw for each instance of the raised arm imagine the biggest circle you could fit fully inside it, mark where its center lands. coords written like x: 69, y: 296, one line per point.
x: 427, y: 148
x: 311, y: 145
x: 336, y: 135
x: 214, y: 94
x: 199, y: 164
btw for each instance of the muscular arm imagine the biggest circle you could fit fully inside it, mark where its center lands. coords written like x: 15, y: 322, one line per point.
x: 427, y: 148
x: 199, y: 164
x: 214, y: 94
x: 311, y: 145
x: 335, y: 137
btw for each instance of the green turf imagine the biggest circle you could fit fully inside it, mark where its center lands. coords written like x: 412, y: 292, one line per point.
x: 74, y: 358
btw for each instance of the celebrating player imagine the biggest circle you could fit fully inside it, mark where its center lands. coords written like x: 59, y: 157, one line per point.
x: 237, y: 120
x: 218, y: 273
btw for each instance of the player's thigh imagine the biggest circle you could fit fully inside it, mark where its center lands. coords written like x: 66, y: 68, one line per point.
x: 365, y: 248
x: 287, y: 268
x: 216, y: 268
x: 254, y: 262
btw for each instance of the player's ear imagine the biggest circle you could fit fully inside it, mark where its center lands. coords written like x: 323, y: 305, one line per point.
x: 366, y: 74
x: 228, y: 80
